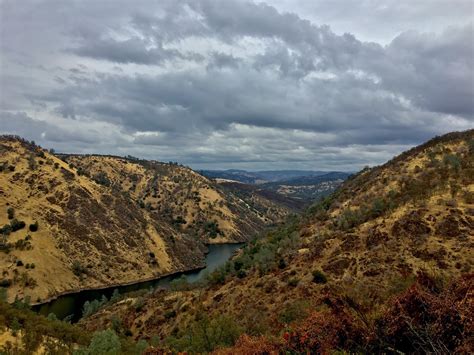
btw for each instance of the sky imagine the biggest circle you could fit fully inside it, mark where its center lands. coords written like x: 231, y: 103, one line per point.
x: 218, y: 84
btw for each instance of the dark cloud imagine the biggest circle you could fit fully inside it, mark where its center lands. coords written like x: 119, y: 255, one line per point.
x: 240, y: 84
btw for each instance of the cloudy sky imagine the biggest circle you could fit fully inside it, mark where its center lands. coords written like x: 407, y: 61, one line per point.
x: 280, y: 84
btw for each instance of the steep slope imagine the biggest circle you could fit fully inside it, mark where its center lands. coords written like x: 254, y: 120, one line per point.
x: 182, y: 198
x: 100, y: 221
x: 345, y: 259
x: 83, y: 233
x: 261, y: 198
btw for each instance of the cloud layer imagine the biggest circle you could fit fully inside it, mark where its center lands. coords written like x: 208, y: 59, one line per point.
x: 243, y: 84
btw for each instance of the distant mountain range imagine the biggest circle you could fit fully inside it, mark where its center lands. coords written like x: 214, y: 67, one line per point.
x: 265, y: 176
x: 301, y: 187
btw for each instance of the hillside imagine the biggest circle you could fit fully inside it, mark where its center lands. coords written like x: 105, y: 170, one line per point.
x: 383, y: 265
x: 101, y: 221
x: 256, y: 195
x: 178, y: 196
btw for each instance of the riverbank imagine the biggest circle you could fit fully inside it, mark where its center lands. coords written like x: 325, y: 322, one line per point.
x: 71, y: 303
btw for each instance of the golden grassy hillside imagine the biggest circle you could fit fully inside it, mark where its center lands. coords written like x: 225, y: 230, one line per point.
x: 182, y: 198
x: 87, y: 234
x: 97, y: 221
x: 346, y: 258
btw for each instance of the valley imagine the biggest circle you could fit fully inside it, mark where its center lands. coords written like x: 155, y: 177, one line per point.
x: 387, y: 232
x: 238, y: 177
x: 354, y: 270
x: 102, y: 221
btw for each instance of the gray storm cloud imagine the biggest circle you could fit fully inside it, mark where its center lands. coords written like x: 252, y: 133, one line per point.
x: 234, y: 84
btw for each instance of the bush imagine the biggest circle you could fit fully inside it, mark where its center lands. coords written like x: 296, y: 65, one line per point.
x: 206, y: 334
x: 324, y: 332
x: 104, y: 342
x: 293, y: 282
x: 17, y: 225
x: 33, y: 227
x: 32, y: 163
x: 170, y: 314
x: 102, y: 179
x: 294, y: 311
x: 10, y: 213
x: 319, y: 277
x: 77, y: 268
x: 5, y: 283
x: 179, y: 220
x: 281, y: 263
x: 6, y: 230
x: 212, y: 229
x: 241, y: 274
x: 452, y: 161
x: 349, y: 219
x: 89, y: 308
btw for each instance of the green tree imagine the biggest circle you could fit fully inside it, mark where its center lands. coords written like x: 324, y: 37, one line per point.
x: 103, y: 343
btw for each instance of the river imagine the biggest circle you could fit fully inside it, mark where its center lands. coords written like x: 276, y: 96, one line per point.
x: 71, y: 304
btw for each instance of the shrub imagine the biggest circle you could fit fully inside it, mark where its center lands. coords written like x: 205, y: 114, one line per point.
x: 179, y: 284
x: 10, y: 213
x: 429, y: 319
x: 170, y: 314
x: 139, y: 304
x: 251, y: 345
x: 90, y: 308
x: 17, y: 225
x: 452, y: 161
x: 33, y: 227
x: 349, y: 219
x: 281, y: 263
x: 115, y: 296
x: 32, y: 163
x: 206, y: 334
x: 5, y: 283
x: 102, y: 179
x: 179, y: 220
x: 212, y: 229
x: 77, y: 268
x: 217, y: 277
x: 323, y: 332
x: 105, y: 342
x: 6, y: 230
x: 293, y: 311
x: 319, y: 277
x: 293, y: 282
x: 470, y: 145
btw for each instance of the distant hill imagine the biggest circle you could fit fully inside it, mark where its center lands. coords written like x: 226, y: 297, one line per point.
x: 258, y: 177
x: 298, y: 185
x: 307, y: 188
x: 96, y: 221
